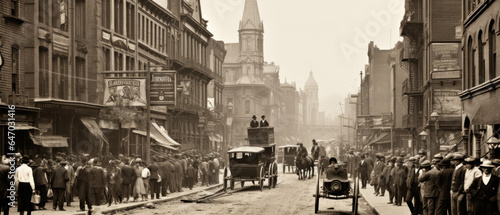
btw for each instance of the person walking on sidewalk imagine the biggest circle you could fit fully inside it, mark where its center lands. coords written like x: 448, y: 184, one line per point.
x: 155, y: 179
x: 41, y: 182
x: 25, y: 186
x: 430, y: 178
x: 363, y: 171
x: 471, y: 173
x: 413, y: 192
x: 59, y: 180
x: 400, y: 173
x: 377, y: 172
x: 97, y: 183
x: 458, y: 206
x: 128, y: 178
x: 83, y: 183
x: 190, y: 176
x: 484, y: 191
x: 444, y: 203
x: 389, y: 179
x: 69, y: 184
x: 146, y: 174
x: 178, y: 174
x: 139, y: 190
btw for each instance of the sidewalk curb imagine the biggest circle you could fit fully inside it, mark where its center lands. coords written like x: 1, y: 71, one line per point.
x: 371, y: 206
x: 140, y: 204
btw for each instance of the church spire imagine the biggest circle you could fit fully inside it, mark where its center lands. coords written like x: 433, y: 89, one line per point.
x: 251, y: 17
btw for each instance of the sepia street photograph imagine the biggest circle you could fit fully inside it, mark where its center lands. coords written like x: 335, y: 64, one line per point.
x: 210, y: 107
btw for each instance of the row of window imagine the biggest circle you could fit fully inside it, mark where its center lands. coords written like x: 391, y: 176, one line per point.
x: 120, y: 62
x: 54, y: 81
x: 192, y: 48
x: 156, y: 35
x: 477, y: 72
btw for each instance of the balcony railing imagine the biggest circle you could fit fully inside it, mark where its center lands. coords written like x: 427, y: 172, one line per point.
x: 190, y: 63
x: 411, y: 25
x: 20, y: 100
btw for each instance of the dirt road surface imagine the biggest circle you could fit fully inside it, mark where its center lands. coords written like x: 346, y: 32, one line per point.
x: 290, y: 196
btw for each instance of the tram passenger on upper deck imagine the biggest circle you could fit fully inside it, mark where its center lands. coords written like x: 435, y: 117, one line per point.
x: 254, y: 123
x: 263, y: 122
x: 335, y: 170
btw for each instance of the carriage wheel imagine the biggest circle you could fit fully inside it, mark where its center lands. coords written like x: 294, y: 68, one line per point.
x: 275, y: 180
x: 316, y: 198
x: 232, y: 183
x: 242, y: 184
x: 270, y: 174
x: 355, y: 199
x: 225, y: 179
x: 261, y: 178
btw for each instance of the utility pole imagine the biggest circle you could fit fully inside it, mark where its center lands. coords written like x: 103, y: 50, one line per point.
x: 360, y: 107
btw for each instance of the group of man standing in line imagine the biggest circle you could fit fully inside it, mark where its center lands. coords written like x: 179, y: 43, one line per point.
x: 453, y: 184
x: 118, y: 180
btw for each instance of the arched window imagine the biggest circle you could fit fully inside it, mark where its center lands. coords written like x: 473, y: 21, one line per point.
x: 492, y: 50
x: 470, y: 64
x: 481, y: 72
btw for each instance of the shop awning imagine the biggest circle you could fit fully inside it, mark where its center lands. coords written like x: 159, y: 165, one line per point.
x: 164, y: 133
x: 382, y: 139
x: 50, y: 141
x: 486, y: 114
x: 158, y: 138
x: 108, y: 124
x: 21, y: 126
x: 216, y: 138
x: 93, y: 128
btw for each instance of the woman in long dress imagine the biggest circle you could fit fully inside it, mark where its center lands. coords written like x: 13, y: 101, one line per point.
x: 139, y: 189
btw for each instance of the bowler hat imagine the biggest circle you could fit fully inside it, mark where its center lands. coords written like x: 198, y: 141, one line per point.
x: 421, y: 151
x: 332, y: 159
x: 438, y: 156
x: 412, y: 159
x: 262, y: 116
x: 26, y: 159
x: 64, y: 162
x: 444, y: 162
x: 487, y: 164
x: 425, y: 164
x: 393, y: 159
x: 254, y: 117
x: 469, y: 160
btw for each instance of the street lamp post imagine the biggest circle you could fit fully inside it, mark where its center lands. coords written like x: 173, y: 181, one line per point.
x: 436, y: 146
x: 423, y: 136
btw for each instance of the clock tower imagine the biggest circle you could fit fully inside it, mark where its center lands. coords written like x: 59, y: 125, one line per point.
x: 251, y: 40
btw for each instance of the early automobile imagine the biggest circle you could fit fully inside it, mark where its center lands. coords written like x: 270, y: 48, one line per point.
x: 334, y: 184
x: 256, y: 162
x: 288, y: 153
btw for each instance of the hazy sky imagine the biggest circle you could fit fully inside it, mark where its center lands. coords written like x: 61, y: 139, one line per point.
x: 329, y: 37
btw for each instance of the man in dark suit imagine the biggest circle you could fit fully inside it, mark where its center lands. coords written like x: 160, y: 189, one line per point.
x: 41, y: 182
x: 263, y: 122
x: 363, y: 171
x: 254, y: 123
x: 484, y: 191
x: 97, y: 184
x: 458, y: 205
x: 4, y: 184
x: 170, y: 175
x: 377, y: 171
x: 83, y: 183
x: 315, y: 150
x: 128, y: 178
x: 163, y: 172
x: 413, y: 192
x: 400, y: 173
x: 59, y: 179
x: 444, y: 203
x: 154, y: 179
x: 178, y: 174
x: 430, y: 177
x: 389, y: 179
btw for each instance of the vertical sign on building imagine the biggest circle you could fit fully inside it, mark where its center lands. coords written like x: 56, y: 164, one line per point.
x: 163, y: 87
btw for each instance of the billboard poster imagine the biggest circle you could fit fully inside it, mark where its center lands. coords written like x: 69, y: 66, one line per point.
x: 125, y: 92
x: 375, y: 121
x: 445, y: 59
x: 447, y: 102
x: 163, y: 88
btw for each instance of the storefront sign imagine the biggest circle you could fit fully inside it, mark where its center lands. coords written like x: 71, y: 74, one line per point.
x: 375, y: 121
x: 125, y: 92
x: 163, y: 87
x: 447, y: 102
x: 445, y: 57
x: 446, y: 74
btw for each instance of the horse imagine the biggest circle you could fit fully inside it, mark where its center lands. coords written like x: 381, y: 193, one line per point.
x: 304, y: 166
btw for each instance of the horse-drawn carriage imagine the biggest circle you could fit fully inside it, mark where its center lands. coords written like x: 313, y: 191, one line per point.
x: 336, y: 185
x: 288, y: 153
x: 256, y: 162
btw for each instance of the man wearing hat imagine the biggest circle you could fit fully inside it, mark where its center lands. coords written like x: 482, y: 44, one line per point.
x: 363, y: 171
x: 430, y: 177
x: 315, y: 150
x: 128, y: 178
x: 413, y: 192
x: 484, y: 191
x: 422, y: 155
x: 59, y: 179
x: 302, y: 151
x: 25, y: 186
x: 334, y: 170
x: 389, y: 180
x: 444, y: 180
x: 263, y: 122
x: 400, y: 174
x: 179, y: 174
x: 377, y: 172
x: 458, y: 205
x: 254, y: 123
x: 97, y: 183
x: 471, y: 173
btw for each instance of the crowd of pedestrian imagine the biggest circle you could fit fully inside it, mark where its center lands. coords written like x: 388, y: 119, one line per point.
x: 453, y: 184
x: 103, y: 180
